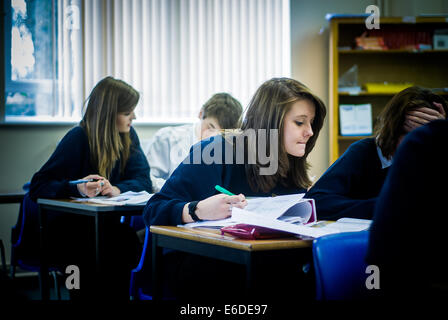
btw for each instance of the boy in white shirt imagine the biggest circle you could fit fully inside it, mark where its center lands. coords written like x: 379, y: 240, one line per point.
x: 170, y: 145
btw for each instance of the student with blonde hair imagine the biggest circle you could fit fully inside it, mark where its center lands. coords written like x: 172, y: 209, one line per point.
x: 104, y: 148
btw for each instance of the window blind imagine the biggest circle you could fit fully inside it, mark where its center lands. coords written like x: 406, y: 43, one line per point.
x: 178, y: 53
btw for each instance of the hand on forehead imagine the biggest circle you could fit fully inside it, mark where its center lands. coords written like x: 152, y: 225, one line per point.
x: 423, y: 115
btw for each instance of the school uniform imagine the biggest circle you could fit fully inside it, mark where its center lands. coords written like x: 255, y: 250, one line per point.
x: 190, y: 275
x: 350, y: 187
x: 71, y: 238
x: 408, y: 233
x: 166, y: 150
x: 196, y: 181
x: 71, y: 161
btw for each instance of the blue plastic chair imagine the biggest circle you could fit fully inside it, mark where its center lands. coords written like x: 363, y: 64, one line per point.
x: 25, y: 242
x: 340, y: 267
x: 135, y: 222
x: 140, y: 285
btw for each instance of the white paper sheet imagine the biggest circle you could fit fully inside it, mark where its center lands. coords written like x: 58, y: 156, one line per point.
x: 129, y: 197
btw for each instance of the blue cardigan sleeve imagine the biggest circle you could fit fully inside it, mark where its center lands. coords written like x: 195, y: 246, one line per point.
x: 66, y: 163
x: 349, y: 188
x: 136, y: 174
x: 189, y: 182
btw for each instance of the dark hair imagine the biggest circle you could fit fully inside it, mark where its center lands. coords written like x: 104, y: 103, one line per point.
x: 109, y: 97
x: 267, y: 110
x: 225, y: 109
x: 390, y: 125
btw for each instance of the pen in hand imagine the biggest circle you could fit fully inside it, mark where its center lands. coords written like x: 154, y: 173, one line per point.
x: 225, y: 191
x: 73, y: 182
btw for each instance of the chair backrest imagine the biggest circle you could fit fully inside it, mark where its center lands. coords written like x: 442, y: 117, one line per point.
x: 25, y: 234
x: 140, y: 283
x: 340, y: 267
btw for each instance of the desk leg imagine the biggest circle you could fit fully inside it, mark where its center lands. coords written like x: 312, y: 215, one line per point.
x: 99, y: 245
x: 43, y: 277
x: 156, y: 268
x: 249, y: 274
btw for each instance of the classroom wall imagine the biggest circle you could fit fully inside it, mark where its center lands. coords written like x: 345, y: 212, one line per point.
x: 25, y: 148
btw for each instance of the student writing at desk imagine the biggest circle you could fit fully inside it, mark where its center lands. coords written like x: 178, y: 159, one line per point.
x: 350, y: 187
x: 104, y: 148
x: 170, y: 145
x: 284, y: 116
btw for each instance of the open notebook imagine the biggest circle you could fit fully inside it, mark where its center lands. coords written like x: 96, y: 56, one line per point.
x: 290, y: 213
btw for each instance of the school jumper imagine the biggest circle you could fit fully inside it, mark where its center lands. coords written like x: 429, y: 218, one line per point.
x: 71, y: 238
x: 350, y: 187
x: 408, y: 233
x: 190, y: 275
x: 71, y: 161
x: 196, y: 181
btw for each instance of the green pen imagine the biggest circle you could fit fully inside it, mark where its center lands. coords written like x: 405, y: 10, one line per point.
x: 222, y: 190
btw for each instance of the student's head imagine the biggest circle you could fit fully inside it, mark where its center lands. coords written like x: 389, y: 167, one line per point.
x: 390, y: 127
x: 107, y: 121
x: 291, y: 108
x: 221, y: 111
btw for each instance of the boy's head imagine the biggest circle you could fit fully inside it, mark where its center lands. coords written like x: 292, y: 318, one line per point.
x: 221, y: 111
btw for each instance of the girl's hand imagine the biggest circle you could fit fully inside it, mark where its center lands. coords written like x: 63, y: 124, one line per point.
x: 91, y: 189
x: 215, y: 207
x: 108, y: 189
x: 422, y: 116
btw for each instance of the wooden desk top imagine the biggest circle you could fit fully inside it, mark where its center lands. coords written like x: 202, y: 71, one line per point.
x: 213, y: 236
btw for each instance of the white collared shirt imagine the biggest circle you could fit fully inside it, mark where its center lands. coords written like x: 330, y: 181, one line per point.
x: 385, y: 163
x: 167, y: 149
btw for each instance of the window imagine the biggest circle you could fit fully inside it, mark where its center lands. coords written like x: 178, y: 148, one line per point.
x: 177, y: 53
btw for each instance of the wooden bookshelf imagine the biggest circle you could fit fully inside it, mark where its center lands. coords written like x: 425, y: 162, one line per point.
x: 426, y: 68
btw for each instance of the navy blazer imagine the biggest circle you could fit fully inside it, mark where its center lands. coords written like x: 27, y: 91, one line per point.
x: 350, y: 187
x: 71, y: 161
x: 196, y: 181
x: 408, y: 233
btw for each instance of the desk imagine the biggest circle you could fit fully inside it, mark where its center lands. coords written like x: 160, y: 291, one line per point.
x: 210, y: 243
x: 5, y: 198
x: 12, y: 197
x: 98, y: 211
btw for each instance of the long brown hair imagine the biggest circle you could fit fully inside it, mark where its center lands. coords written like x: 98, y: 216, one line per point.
x: 390, y: 124
x: 267, y: 110
x: 109, y: 97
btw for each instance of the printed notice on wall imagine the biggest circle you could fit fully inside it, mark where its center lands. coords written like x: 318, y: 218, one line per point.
x: 355, y: 119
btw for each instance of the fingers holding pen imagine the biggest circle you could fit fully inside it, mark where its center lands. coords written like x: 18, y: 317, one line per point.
x: 93, y: 187
x: 238, y: 201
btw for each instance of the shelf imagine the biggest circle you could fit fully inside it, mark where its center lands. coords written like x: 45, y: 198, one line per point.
x: 392, y: 51
x: 353, y: 137
x: 367, y: 94
x: 425, y: 68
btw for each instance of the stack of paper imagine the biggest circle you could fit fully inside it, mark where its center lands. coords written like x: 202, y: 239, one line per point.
x: 130, y: 198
